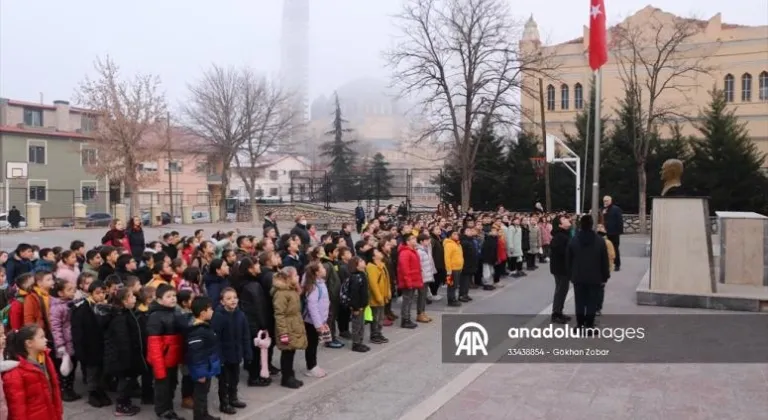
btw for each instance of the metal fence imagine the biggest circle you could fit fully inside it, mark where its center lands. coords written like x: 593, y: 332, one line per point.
x: 420, y: 187
x: 172, y: 203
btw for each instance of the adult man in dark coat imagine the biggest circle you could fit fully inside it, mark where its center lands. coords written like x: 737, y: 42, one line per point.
x: 588, y: 265
x: 613, y: 220
x: 558, y: 248
x: 301, y: 231
x: 270, y: 221
x: 14, y: 217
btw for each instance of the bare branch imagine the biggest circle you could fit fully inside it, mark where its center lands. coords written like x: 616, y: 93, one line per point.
x: 128, y: 114
x: 460, y: 58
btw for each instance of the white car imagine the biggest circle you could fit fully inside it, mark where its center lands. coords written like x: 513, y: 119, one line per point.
x: 201, y: 217
x: 4, y: 221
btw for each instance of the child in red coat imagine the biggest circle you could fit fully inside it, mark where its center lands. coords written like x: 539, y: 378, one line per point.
x: 31, y: 388
x: 23, y: 284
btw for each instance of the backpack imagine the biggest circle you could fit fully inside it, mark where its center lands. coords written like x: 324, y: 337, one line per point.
x: 5, y: 313
x: 303, y: 299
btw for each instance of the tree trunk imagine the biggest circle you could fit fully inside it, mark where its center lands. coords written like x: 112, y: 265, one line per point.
x: 466, y: 188
x: 223, y: 199
x: 252, y: 200
x: 642, y: 182
x: 133, y: 199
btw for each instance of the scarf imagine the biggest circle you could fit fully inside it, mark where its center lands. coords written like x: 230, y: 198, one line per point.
x: 46, y: 299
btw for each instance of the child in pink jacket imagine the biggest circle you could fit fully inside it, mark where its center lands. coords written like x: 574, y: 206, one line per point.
x: 61, y: 328
x: 67, y: 267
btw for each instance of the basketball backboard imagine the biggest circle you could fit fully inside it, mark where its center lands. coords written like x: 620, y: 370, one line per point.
x: 551, y: 144
x: 16, y: 170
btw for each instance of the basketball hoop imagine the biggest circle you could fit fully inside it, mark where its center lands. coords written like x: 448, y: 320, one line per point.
x: 538, y: 166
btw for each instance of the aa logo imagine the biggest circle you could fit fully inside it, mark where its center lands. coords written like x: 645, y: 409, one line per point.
x: 471, y: 338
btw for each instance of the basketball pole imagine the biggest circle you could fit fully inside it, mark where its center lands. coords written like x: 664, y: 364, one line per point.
x: 7, y: 195
x: 596, y: 149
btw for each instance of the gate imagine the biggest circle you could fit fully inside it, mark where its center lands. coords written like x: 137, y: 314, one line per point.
x: 310, y: 187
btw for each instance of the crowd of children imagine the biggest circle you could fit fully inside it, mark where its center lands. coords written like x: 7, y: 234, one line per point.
x: 141, y: 318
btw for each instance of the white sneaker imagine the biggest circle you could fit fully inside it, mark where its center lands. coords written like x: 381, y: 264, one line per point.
x: 436, y: 298
x: 399, y: 300
x: 315, y: 372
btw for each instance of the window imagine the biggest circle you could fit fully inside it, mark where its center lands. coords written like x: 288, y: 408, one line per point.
x: 88, y: 157
x: 293, y: 174
x: 87, y: 123
x: 728, y: 88
x: 746, y: 87
x: 37, y: 192
x: 764, y: 86
x: 550, y: 98
x: 273, y: 175
x: 578, y: 96
x: 175, y: 166
x: 33, y: 117
x: 202, y: 167
x: 258, y: 192
x: 148, y: 167
x: 203, y: 197
x: 273, y: 192
x: 88, y: 192
x: 234, y: 193
x: 564, y: 97
x: 37, y: 154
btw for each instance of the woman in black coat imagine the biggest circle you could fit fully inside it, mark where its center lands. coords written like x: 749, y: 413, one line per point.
x: 136, y: 238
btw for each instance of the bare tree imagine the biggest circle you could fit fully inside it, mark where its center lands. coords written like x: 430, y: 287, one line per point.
x: 276, y: 122
x: 226, y: 109
x: 658, y: 66
x: 126, y: 113
x: 461, y: 58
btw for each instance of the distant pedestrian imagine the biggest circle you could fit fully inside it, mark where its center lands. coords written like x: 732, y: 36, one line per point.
x: 14, y: 217
x: 613, y: 219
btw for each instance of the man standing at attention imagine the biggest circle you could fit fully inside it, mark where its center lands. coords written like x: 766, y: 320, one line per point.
x: 613, y: 220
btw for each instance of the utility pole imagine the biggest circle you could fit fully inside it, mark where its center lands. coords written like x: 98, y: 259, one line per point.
x: 170, y: 174
x: 547, y: 192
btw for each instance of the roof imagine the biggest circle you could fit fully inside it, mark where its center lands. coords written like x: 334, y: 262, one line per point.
x: 27, y: 104
x: 702, y: 24
x: 12, y: 129
x: 275, y: 159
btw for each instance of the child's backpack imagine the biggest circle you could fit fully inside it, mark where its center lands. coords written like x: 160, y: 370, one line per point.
x: 5, y: 313
x: 344, y: 298
x: 304, y: 307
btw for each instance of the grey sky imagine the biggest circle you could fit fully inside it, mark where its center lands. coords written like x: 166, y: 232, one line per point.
x: 47, y: 46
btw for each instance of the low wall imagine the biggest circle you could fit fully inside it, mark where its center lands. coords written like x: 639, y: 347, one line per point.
x: 288, y: 212
x: 632, y: 223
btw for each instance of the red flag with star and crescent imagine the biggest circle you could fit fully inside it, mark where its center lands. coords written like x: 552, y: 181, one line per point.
x: 598, y: 44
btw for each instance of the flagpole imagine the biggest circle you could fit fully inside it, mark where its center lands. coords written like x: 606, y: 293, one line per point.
x: 596, y: 150
x: 586, y: 149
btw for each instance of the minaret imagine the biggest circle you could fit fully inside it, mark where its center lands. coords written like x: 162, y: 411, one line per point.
x: 294, y: 63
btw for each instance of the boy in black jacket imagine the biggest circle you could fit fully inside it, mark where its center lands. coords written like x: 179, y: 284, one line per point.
x: 202, y: 355
x: 231, y: 328
x: 357, y: 301
x: 88, y: 340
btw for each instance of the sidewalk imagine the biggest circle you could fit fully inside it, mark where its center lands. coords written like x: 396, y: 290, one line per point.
x: 615, y: 391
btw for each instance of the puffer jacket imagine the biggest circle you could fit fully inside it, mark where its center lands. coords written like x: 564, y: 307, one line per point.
x: 318, y: 305
x: 358, y: 290
x: 165, y: 339
x: 534, y: 239
x: 61, y: 325
x: 438, y: 253
x: 454, y: 258
x: 32, y: 394
x: 428, y: 269
x: 408, y: 268
x: 43, y: 265
x: 255, y: 304
x: 332, y: 282
x: 87, y: 336
x: 379, y: 289
x: 67, y: 273
x: 234, y: 335
x: 202, y: 352
x: 514, y: 239
x: 471, y: 255
x: 123, y: 344
x: 545, y: 230
x: 5, y: 366
x: 117, y: 239
x: 288, y: 319
x: 213, y: 287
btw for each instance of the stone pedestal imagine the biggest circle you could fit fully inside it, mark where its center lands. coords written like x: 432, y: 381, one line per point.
x: 681, y: 246
x: 33, y: 216
x: 155, y: 215
x: 743, y: 248
x: 215, y: 214
x: 186, y: 215
x: 80, y: 210
x: 120, y: 212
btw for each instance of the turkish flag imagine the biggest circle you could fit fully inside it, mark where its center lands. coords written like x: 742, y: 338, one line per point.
x: 598, y: 44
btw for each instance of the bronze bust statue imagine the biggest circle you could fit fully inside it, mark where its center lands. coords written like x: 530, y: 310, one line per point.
x: 671, y: 176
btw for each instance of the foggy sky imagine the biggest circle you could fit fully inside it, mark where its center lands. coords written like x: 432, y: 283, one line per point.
x: 49, y: 45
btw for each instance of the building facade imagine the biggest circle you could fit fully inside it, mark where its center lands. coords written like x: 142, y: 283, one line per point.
x: 737, y: 56
x: 272, y: 180
x: 52, y: 140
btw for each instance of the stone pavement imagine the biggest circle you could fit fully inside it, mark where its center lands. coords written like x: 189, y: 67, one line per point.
x: 615, y: 391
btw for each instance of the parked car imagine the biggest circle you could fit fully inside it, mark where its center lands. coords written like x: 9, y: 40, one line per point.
x: 165, y: 218
x: 4, y: 221
x: 94, y: 220
x: 201, y: 217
